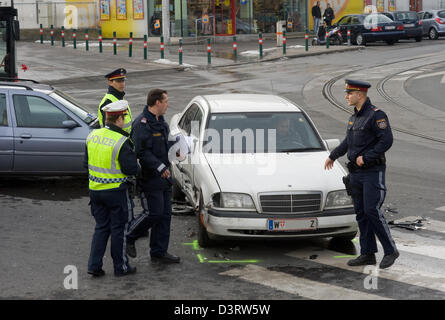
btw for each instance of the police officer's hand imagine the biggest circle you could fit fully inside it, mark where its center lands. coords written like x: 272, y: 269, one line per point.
x: 165, y: 174
x: 329, y: 163
x: 359, y: 161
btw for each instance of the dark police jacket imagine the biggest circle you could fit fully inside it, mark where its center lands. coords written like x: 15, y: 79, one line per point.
x: 150, y: 137
x: 368, y: 135
x: 127, y: 157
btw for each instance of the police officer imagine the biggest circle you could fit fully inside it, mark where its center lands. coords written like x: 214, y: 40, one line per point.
x: 110, y: 159
x: 116, y: 92
x: 367, y: 139
x: 151, y: 137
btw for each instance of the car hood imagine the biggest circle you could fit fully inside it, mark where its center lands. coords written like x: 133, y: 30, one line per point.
x: 255, y: 173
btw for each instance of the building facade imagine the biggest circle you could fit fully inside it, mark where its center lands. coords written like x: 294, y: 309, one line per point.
x: 193, y: 18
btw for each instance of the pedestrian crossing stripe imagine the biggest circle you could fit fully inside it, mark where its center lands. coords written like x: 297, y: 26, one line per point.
x: 297, y: 285
x: 397, y: 272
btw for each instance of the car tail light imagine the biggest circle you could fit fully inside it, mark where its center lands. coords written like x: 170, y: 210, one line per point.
x: 377, y: 29
x: 401, y: 28
x: 420, y: 22
x: 439, y: 20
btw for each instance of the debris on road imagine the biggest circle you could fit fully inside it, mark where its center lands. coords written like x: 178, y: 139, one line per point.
x: 409, y: 223
x: 182, y: 209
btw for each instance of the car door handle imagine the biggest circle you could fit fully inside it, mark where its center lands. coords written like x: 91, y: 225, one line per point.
x: 26, y: 136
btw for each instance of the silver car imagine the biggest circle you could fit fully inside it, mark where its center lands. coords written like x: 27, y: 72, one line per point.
x: 42, y: 130
x: 433, y: 23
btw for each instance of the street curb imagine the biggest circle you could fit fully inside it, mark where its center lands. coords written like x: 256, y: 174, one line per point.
x: 293, y: 56
x: 183, y: 68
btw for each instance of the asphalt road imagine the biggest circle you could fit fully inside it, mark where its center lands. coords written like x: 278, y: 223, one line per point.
x: 46, y: 224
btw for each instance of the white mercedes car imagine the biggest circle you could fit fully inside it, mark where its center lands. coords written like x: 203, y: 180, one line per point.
x: 256, y: 170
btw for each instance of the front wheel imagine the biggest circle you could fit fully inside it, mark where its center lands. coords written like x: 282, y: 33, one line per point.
x: 203, y: 237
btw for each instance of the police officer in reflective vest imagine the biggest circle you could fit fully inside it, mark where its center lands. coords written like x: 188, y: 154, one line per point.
x: 151, y: 138
x: 367, y: 139
x: 116, y: 87
x: 110, y: 159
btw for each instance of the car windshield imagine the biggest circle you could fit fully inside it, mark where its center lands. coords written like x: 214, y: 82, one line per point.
x: 400, y: 16
x: 73, y: 106
x: 441, y: 14
x: 265, y: 132
x: 376, y: 18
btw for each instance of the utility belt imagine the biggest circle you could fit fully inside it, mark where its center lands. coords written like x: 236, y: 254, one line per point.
x: 353, y: 167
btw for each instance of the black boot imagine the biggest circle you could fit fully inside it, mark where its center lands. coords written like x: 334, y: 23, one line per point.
x: 389, y: 260
x: 363, y: 260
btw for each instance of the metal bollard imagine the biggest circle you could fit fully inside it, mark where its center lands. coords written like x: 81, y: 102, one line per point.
x: 235, y: 49
x: 130, y: 45
x: 74, y: 38
x: 162, y: 47
x: 284, y: 42
x: 145, y: 47
x: 62, y: 34
x: 349, y: 36
x: 209, y: 52
x: 86, y: 40
x: 180, y: 51
x: 41, y: 33
x: 327, y: 40
x: 52, y: 35
x: 114, y: 43
x: 306, y: 39
x: 100, y: 41
x: 260, y: 44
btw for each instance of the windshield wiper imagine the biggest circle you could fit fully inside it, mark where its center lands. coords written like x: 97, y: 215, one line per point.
x: 300, y: 149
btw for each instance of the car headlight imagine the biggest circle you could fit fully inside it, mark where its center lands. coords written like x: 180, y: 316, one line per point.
x: 229, y: 200
x: 338, y: 199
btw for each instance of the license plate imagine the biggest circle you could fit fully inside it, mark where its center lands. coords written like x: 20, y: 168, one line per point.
x: 390, y: 28
x: 409, y: 25
x: 296, y: 224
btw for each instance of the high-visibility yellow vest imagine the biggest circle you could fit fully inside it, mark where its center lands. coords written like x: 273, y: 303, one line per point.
x: 104, y: 169
x: 127, y: 123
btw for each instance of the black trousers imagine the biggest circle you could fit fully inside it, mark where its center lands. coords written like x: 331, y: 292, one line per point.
x: 368, y: 196
x: 112, y: 210
x: 156, y: 214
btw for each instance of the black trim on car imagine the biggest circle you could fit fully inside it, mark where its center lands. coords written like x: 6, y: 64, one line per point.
x: 288, y: 233
x: 255, y: 215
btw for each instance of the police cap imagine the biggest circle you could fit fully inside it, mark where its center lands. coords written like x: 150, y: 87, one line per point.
x: 356, y: 85
x: 118, y: 107
x: 117, y: 74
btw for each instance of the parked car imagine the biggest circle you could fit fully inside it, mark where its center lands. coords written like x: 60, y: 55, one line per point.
x: 433, y: 23
x: 42, y: 130
x: 411, y: 23
x: 367, y: 28
x: 247, y: 184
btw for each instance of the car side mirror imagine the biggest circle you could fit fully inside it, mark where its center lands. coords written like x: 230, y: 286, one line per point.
x: 69, y: 124
x: 331, y: 144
